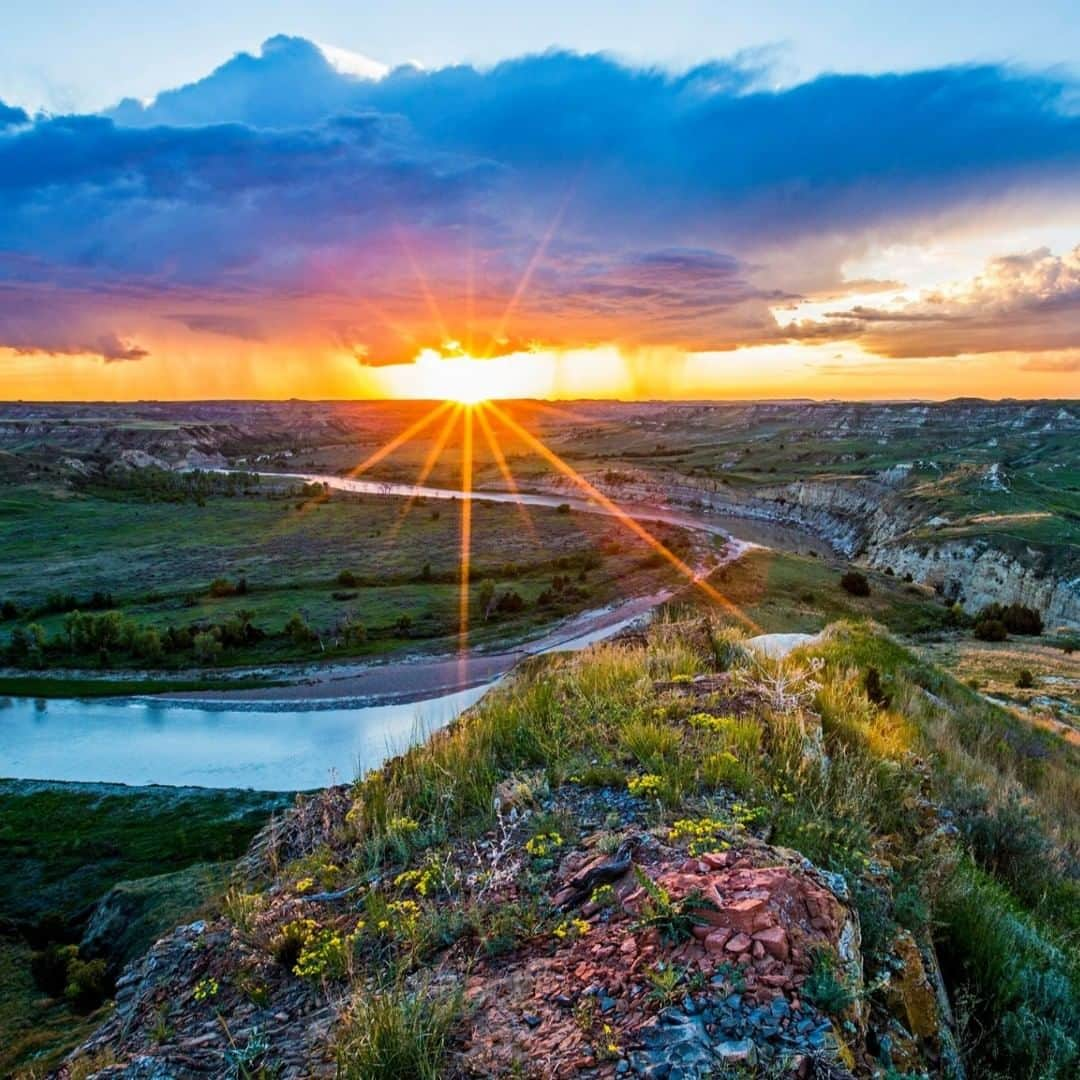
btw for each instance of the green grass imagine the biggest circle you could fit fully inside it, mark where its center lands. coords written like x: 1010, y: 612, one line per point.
x: 67, y: 844
x: 158, y: 559
x: 785, y: 593
x: 602, y: 711
x: 395, y: 1032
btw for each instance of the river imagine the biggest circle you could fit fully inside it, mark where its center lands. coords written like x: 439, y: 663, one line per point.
x: 346, y: 720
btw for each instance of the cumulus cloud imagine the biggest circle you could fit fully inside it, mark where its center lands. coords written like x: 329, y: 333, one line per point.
x: 1028, y: 301
x: 635, y: 204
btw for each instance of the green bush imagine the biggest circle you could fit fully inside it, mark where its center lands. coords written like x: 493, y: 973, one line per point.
x: 990, y: 630
x: 49, y: 968
x: 824, y: 987
x: 855, y: 583
x: 1025, y: 680
x: 298, y: 631
x: 88, y: 984
x: 1016, y: 618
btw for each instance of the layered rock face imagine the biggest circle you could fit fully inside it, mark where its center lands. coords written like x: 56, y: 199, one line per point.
x: 980, y: 574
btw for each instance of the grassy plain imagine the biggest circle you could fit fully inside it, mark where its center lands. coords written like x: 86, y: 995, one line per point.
x: 157, y: 560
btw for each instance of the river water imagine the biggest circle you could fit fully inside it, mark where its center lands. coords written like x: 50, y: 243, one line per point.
x: 144, y: 741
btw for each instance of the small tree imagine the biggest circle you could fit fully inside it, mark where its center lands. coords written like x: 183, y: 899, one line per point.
x: 298, y: 630
x: 990, y: 630
x: 207, y: 646
x: 146, y: 644
x: 485, y: 598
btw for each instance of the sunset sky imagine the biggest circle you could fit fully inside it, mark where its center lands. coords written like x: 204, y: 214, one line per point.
x: 678, y: 200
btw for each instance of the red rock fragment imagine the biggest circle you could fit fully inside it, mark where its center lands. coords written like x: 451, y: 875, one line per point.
x: 774, y: 941
x: 717, y: 939
x: 740, y: 943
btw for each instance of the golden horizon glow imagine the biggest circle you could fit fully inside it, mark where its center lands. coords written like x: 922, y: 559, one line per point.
x: 834, y: 371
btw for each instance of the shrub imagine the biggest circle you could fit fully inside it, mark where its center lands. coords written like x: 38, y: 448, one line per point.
x: 9, y: 610
x: 222, y: 587
x: 1017, y: 618
x: 874, y: 690
x: 146, y: 644
x: 485, y: 597
x: 674, y: 919
x: 824, y: 988
x: 49, y: 968
x: 88, y: 983
x: 990, y: 630
x: 326, y: 954
x: 855, y: 583
x: 207, y: 645
x: 348, y: 579
x: 1025, y: 680
x: 509, y: 603
x: 298, y: 631
x: 290, y: 941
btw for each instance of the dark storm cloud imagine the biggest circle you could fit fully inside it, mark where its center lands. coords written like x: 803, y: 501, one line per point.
x: 213, y: 322
x: 279, y: 178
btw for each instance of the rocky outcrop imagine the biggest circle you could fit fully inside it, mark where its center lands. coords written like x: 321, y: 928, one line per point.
x: 130, y: 916
x: 872, y: 520
x: 975, y: 573
x: 761, y: 919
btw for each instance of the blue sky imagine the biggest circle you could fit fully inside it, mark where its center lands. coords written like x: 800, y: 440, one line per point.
x: 857, y: 200
x: 67, y: 54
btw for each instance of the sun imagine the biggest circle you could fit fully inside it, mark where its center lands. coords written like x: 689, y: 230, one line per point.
x: 461, y: 378
x: 468, y: 395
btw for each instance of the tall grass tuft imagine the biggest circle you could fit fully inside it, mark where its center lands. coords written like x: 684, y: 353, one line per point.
x: 394, y: 1032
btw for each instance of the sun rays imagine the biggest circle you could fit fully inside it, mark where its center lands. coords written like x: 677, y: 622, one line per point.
x: 465, y: 385
x: 458, y: 435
